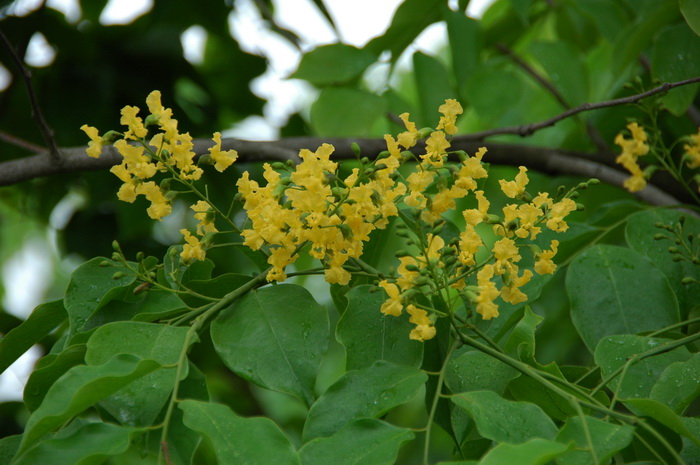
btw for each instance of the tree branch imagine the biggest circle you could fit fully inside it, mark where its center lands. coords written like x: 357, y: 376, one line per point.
x: 37, y: 114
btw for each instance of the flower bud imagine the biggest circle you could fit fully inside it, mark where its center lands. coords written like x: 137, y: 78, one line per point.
x: 659, y: 236
x: 115, y: 246
x: 355, y: 147
x: 105, y: 263
x: 673, y: 250
x: 425, y: 132
x: 688, y: 280
x: 402, y: 253
x: 139, y: 256
x: 593, y: 181
x: 411, y: 267
x: 118, y: 275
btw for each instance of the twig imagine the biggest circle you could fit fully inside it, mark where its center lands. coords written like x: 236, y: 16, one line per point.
x: 37, y: 114
x: 526, y: 130
x: 266, y: 13
x: 592, y: 131
x: 19, y: 142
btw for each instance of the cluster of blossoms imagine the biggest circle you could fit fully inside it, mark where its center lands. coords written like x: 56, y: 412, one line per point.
x: 310, y: 207
x: 167, y: 151
x: 632, y: 149
x: 440, y: 265
x: 692, y: 151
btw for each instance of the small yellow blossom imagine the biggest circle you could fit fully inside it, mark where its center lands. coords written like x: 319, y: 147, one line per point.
x: 95, y: 145
x: 487, y: 293
x: 223, y: 159
x: 436, y: 146
x: 192, y: 249
x: 692, y: 151
x: 450, y: 109
x: 424, y: 329
x: 512, y: 293
x: 632, y: 149
x: 134, y: 123
x: 408, y: 138
x: 544, y: 264
x: 205, y: 215
x: 515, y: 188
x: 393, y: 305
x: 558, y: 212
x: 160, y: 206
x: 474, y: 216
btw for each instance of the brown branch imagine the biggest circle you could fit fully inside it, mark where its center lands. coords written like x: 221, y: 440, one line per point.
x: 546, y: 160
x: 19, y: 142
x: 526, y: 130
x: 37, y: 114
x: 592, y: 131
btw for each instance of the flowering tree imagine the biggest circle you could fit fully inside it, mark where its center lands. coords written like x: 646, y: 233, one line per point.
x: 383, y: 289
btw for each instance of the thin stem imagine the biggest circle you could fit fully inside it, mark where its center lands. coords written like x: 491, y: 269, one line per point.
x: 436, y: 398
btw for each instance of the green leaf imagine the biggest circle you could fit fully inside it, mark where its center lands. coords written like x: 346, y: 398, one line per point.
x: 91, y: 443
x: 410, y: 19
x: 38, y: 325
x: 367, y: 335
x: 674, y: 57
x: 274, y: 337
x: 613, y: 352
x: 609, y: 17
x: 333, y: 64
x: 566, y: 69
x: 48, y: 370
x: 217, y: 287
x: 464, y: 35
x: 691, y: 450
x: 486, y: 82
x: 663, y: 415
x: 621, y: 288
x: 88, y: 289
x: 639, y: 234
x: 8, y: 447
x: 362, y: 442
x: 121, y: 304
x: 521, y: 342
x: 78, y: 389
x: 139, y: 403
x: 606, y: 438
x: 679, y: 384
x: 346, y: 112
x: 239, y: 440
x: 365, y: 393
x: 503, y: 420
x: 691, y: 13
x: 536, y: 451
x: 433, y: 86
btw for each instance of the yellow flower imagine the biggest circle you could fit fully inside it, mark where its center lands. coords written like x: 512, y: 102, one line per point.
x: 474, y: 216
x: 515, y: 188
x: 544, y: 264
x: 135, y: 123
x: 205, y: 215
x: 424, y: 329
x: 406, y: 277
x: 558, y: 212
x: 393, y: 305
x: 506, y: 253
x: 135, y: 162
x: 692, y: 151
x: 450, y: 109
x: 471, y: 169
x: 407, y: 139
x: 512, y: 293
x: 469, y: 243
x: 435, y: 147
x: 95, y: 145
x: 632, y: 149
x: 487, y: 293
x: 162, y: 115
x: 223, y: 159
x: 192, y: 249
x: 159, y: 204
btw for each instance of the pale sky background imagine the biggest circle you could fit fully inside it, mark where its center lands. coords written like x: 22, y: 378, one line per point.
x: 358, y: 21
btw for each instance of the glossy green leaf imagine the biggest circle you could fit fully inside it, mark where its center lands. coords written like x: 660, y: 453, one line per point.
x: 663, y: 415
x: 679, y: 384
x: 609, y: 17
x: 410, y: 19
x: 122, y: 305
x: 274, y: 337
x: 139, y: 403
x: 504, y: 420
x: 215, y: 287
x: 81, y: 387
x: 89, y: 286
x: 676, y: 56
x: 8, y: 447
x: 536, y: 451
x: 433, y: 86
x: 368, y: 335
x: 48, y: 370
x: 487, y: 82
x: 40, y: 322
x: 606, y: 438
x: 365, y: 393
x: 346, y: 112
x: 691, y: 13
x: 89, y: 444
x: 333, y: 64
x: 521, y: 342
x: 237, y: 440
x: 362, y: 442
x: 614, y: 290
x: 639, y: 234
x: 613, y: 352
x: 691, y: 450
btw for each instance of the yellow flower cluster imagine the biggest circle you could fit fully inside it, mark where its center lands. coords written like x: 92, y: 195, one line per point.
x: 632, y: 149
x: 303, y: 208
x: 692, y: 151
x: 454, y: 263
x: 167, y: 151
